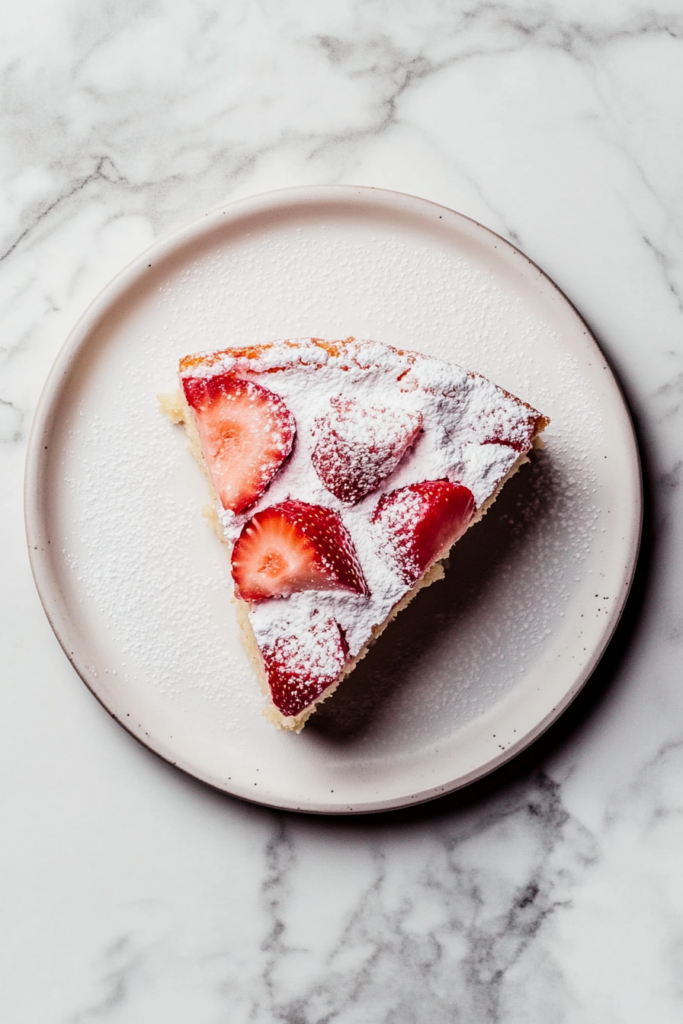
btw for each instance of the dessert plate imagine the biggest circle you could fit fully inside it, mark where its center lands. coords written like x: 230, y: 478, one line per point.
x: 137, y: 586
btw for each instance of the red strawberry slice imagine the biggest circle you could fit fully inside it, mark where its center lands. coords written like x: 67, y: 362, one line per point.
x: 245, y: 431
x: 500, y: 418
x: 300, y: 668
x: 358, y: 446
x: 294, y: 546
x: 419, y: 523
x: 518, y: 435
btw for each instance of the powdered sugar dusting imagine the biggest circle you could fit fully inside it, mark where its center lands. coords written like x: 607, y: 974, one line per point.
x: 328, y: 385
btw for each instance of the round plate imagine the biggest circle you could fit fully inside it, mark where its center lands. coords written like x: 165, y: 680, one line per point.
x: 136, y: 585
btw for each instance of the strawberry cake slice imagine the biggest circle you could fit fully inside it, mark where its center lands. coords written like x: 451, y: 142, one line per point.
x: 341, y: 475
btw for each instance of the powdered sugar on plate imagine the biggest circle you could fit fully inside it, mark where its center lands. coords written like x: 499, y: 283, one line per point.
x: 138, y: 587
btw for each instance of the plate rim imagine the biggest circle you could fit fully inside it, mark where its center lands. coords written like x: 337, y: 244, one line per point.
x: 78, y: 337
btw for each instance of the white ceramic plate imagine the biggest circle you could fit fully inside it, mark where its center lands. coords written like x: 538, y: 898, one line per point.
x: 136, y: 585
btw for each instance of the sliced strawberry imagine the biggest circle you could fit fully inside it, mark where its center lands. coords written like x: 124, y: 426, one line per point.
x: 500, y: 418
x: 245, y: 431
x: 518, y: 435
x: 357, y: 446
x: 300, y: 668
x: 294, y: 546
x: 419, y: 523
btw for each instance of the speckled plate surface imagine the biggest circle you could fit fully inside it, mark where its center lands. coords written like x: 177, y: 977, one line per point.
x: 137, y: 587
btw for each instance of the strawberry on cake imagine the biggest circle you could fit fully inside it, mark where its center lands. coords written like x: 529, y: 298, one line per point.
x: 341, y: 475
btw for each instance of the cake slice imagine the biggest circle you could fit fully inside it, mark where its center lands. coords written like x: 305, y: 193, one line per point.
x: 341, y: 474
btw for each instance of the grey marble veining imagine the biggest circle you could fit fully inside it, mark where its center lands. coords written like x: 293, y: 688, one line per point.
x: 553, y: 893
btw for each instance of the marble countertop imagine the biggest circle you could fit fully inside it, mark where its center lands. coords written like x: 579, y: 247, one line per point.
x: 552, y: 891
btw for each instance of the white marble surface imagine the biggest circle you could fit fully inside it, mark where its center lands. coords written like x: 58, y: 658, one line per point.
x: 551, y: 893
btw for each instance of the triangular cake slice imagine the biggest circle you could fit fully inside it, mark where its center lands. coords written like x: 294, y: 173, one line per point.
x: 341, y: 475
